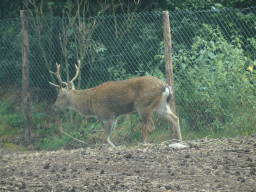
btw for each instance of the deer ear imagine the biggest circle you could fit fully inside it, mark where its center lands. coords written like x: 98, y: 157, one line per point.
x: 70, y: 86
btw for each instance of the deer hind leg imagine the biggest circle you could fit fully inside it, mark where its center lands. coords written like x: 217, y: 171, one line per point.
x: 108, y: 128
x: 147, y: 126
x: 164, y: 111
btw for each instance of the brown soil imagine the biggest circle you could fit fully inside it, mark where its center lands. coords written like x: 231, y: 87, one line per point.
x: 206, y: 165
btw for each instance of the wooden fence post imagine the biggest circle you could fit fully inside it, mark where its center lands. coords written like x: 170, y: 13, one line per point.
x: 25, y: 76
x: 169, y: 67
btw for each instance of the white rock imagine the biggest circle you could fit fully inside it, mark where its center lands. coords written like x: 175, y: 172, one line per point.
x: 177, y: 145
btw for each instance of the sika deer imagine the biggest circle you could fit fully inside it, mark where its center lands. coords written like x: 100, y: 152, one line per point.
x: 110, y: 100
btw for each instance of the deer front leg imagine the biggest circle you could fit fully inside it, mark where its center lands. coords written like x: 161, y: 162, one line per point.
x: 108, y: 128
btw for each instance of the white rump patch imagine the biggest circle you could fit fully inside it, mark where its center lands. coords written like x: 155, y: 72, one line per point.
x: 167, y: 91
x: 163, y: 108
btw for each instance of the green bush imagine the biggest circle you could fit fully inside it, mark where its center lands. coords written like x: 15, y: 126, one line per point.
x: 54, y: 143
x: 213, y: 84
x: 9, y: 117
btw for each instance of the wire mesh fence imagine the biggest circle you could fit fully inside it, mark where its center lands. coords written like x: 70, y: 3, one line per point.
x: 213, y: 56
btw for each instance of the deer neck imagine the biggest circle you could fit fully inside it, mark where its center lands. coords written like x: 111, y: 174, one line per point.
x: 81, y: 101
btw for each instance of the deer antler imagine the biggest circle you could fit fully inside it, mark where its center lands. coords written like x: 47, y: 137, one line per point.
x: 77, y: 70
x: 58, y: 76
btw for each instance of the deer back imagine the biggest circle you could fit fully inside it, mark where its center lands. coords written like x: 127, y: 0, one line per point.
x: 126, y: 96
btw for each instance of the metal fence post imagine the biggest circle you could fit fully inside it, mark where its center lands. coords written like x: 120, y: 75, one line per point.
x: 25, y: 76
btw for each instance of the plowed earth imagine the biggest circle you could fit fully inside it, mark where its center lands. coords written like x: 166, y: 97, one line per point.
x: 205, y: 165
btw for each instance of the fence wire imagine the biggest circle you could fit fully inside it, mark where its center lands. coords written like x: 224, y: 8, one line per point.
x: 213, y: 56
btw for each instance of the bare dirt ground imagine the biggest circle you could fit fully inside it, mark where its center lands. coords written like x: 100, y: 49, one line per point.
x: 206, y: 165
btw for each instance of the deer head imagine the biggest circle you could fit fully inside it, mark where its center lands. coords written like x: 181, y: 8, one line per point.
x: 63, y: 99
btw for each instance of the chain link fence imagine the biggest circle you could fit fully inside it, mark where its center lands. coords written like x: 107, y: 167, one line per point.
x: 213, y: 58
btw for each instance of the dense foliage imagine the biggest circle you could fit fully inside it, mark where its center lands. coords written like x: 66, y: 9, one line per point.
x: 90, y: 8
x: 215, y: 89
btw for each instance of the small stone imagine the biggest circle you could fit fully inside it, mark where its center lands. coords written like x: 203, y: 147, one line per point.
x: 22, y: 185
x: 168, y: 187
x: 64, y: 169
x: 46, y: 166
x: 214, y: 166
x: 237, y: 173
x: 128, y: 156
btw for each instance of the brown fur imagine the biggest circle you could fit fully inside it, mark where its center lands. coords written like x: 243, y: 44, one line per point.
x: 110, y: 100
